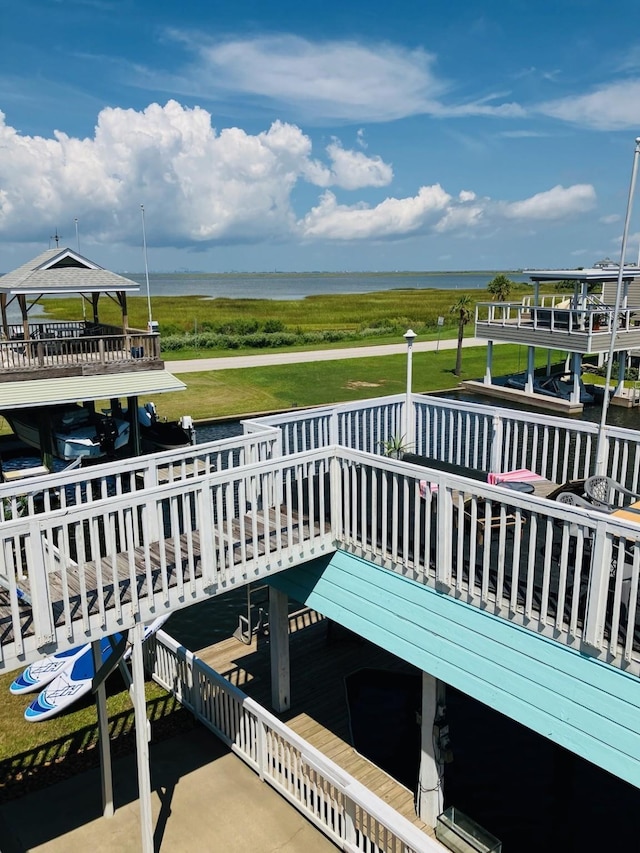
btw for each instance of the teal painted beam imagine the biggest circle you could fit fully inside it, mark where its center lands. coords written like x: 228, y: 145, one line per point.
x: 578, y: 702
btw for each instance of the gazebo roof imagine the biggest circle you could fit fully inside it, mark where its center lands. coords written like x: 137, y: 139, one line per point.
x: 60, y: 271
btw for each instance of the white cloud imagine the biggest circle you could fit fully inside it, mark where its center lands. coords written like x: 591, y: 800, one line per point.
x: 321, y: 81
x: 393, y: 217
x: 615, y: 106
x: 353, y: 169
x: 202, y: 186
x: 556, y: 203
x: 610, y: 219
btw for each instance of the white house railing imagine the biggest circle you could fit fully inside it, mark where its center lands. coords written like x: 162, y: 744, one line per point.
x: 343, y: 809
x: 97, y: 567
x: 487, y: 438
x: 98, y: 482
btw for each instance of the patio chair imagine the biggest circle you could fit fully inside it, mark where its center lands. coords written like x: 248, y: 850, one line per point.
x: 574, y: 499
x: 608, y: 494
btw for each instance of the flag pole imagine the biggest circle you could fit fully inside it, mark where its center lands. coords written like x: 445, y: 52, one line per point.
x: 601, y: 455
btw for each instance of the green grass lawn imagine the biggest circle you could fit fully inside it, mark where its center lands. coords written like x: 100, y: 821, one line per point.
x: 229, y: 393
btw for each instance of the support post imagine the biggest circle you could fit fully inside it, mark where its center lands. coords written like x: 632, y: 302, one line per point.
x: 489, y: 368
x: 430, y: 801
x: 106, y: 776
x: 142, y: 741
x: 531, y: 369
x: 279, y: 650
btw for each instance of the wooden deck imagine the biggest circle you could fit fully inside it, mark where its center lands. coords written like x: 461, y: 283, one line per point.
x: 322, y: 654
x: 155, y: 564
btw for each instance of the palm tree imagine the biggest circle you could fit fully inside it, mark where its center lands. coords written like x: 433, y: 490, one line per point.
x: 463, y: 310
x: 500, y: 287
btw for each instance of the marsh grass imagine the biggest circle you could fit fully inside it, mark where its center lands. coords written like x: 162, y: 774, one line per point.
x: 397, y: 309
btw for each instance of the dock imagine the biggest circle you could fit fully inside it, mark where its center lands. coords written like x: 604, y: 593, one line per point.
x: 322, y: 655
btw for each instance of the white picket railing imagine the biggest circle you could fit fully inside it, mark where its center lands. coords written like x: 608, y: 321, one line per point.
x: 77, y: 486
x: 484, y: 437
x: 353, y: 817
x: 91, y: 550
x: 93, y: 568
x: 96, y: 567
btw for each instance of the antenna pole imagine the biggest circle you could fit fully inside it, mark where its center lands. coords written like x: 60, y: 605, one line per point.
x: 77, y: 234
x: 146, y: 266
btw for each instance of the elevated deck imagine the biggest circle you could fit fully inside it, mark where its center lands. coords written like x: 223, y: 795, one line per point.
x: 67, y: 349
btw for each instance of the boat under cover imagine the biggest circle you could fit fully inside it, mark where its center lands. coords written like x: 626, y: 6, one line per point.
x: 76, y: 432
x: 555, y: 385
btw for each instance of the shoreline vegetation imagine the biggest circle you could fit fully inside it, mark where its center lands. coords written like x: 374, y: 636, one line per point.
x: 193, y: 327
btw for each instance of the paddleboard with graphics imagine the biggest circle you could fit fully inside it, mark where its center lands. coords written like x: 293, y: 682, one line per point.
x: 75, y: 680
x: 40, y: 673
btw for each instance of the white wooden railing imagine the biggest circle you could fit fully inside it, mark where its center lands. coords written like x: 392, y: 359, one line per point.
x: 586, y: 319
x: 342, y: 808
x: 140, y: 553
x: 97, y: 567
x: 91, y: 551
x: 484, y: 437
x: 99, y: 482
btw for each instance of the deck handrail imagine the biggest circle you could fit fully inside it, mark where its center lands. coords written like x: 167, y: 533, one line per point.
x: 482, y: 436
x: 568, y: 574
x: 346, y: 811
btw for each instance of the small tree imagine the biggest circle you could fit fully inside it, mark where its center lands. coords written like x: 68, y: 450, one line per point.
x: 462, y: 308
x: 500, y: 287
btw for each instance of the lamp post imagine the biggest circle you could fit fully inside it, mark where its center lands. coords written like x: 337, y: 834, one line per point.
x: 409, y: 419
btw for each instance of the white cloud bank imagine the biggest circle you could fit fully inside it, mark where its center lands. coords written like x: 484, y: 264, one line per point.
x: 201, y: 186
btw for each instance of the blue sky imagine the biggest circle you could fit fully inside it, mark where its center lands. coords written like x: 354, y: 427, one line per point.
x: 319, y: 135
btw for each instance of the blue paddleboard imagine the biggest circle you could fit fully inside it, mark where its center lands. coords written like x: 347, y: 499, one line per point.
x: 75, y: 680
x: 43, y: 671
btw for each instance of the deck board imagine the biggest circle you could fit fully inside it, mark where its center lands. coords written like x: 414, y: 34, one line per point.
x: 322, y: 655
x: 182, y: 565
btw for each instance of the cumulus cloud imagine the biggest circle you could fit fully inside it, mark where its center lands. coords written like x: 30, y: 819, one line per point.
x: 201, y: 186
x: 615, y: 106
x: 317, y: 81
x: 556, y: 203
x: 206, y: 185
x: 393, y: 217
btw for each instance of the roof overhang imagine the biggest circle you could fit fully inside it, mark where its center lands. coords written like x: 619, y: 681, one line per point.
x: 47, y: 392
x: 591, y: 274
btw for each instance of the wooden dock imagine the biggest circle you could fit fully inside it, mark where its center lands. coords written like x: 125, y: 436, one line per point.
x: 322, y: 655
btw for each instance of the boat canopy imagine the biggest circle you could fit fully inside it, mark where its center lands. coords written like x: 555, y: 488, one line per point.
x: 45, y: 392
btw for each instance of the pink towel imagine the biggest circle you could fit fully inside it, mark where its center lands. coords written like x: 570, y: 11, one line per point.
x: 522, y: 475
x: 433, y: 487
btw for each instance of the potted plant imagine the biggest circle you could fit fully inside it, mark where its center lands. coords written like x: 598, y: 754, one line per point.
x: 394, y: 447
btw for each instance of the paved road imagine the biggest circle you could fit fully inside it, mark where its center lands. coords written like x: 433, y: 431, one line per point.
x: 240, y: 361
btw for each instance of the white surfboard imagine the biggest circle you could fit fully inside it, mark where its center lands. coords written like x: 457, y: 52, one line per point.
x: 75, y: 680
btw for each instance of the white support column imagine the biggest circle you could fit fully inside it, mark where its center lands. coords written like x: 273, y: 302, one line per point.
x: 531, y: 367
x: 489, y: 368
x: 430, y: 801
x: 142, y: 741
x: 103, y: 737
x: 279, y: 650
x: 576, y: 369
